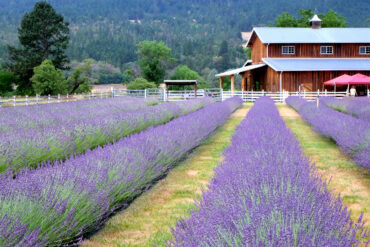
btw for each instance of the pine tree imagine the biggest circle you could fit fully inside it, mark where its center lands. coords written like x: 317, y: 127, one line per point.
x: 43, y: 34
x: 224, y: 63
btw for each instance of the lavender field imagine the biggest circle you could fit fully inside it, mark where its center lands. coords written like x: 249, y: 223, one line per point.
x: 66, y: 169
x: 350, y: 133
x: 357, y: 107
x: 35, y: 134
x: 60, y: 202
x: 266, y: 193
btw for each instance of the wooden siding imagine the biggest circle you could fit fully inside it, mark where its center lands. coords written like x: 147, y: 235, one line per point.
x: 313, y: 50
x: 272, y: 80
x: 309, y: 80
x: 258, y: 51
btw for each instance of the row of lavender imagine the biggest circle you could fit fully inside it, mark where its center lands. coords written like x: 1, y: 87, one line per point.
x: 40, y: 116
x: 266, y: 193
x: 56, y: 135
x: 358, y: 107
x: 351, y: 134
x: 59, y: 203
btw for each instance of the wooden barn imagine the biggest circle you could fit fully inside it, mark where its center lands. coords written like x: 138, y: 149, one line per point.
x: 302, y: 58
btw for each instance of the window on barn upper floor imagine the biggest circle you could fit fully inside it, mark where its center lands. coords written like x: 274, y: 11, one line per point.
x: 288, y: 49
x: 326, y: 50
x: 364, y: 50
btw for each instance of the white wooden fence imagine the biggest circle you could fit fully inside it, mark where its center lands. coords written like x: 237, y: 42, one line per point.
x: 251, y: 96
x: 161, y: 94
x: 25, y: 100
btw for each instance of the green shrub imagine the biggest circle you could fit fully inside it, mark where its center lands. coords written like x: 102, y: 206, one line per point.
x: 140, y: 84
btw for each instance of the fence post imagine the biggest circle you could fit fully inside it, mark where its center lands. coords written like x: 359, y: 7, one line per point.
x: 0, y: 102
x: 252, y: 96
x: 101, y: 95
x: 281, y: 96
x: 111, y: 89
x: 368, y: 93
x: 67, y: 98
x: 243, y: 95
x: 26, y: 100
x: 49, y: 98
x: 145, y: 93
x: 89, y: 96
x: 58, y: 98
x: 317, y: 101
x: 14, y: 101
x: 326, y: 92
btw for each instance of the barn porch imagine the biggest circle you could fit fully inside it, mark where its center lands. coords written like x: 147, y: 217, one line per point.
x: 250, y: 75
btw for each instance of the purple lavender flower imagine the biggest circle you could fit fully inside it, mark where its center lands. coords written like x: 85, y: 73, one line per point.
x: 266, y: 193
x: 59, y: 203
x: 36, y: 134
x: 351, y: 134
x: 358, y: 107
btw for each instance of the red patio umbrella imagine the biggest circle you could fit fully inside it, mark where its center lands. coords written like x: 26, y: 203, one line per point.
x: 340, y: 80
x: 359, y: 79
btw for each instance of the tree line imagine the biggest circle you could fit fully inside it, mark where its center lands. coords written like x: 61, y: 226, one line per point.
x: 41, y: 64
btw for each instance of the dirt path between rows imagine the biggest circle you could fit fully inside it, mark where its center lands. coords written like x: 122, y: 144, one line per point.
x: 346, y: 179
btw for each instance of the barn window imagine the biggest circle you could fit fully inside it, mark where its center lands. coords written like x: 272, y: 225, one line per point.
x: 288, y: 49
x: 326, y: 50
x: 364, y: 50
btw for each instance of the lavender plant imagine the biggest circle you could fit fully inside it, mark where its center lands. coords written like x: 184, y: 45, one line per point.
x: 56, y: 132
x: 266, y: 193
x: 358, y: 107
x: 351, y: 134
x: 57, y: 204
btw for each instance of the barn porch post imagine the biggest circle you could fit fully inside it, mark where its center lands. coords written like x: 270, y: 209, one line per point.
x: 244, y: 83
x: 232, y: 83
x: 221, y: 82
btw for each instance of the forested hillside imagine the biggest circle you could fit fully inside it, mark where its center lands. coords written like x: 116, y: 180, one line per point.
x: 108, y: 30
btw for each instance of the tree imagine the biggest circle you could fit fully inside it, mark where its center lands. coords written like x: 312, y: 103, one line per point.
x: 330, y: 19
x: 153, y: 58
x: 7, y: 80
x: 140, y: 84
x: 224, y: 62
x: 286, y: 20
x: 81, y: 79
x: 48, y: 80
x: 43, y: 35
x: 212, y: 81
x: 183, y: 72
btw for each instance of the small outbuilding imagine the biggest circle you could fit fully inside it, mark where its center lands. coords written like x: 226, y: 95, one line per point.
x: 182, y: 83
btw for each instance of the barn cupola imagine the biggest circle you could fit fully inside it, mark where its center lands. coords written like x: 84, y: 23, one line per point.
x: 315, y: 22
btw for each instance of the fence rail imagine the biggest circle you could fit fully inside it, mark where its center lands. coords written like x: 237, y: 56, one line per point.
x: 251, y: 96
x: 172, y: 95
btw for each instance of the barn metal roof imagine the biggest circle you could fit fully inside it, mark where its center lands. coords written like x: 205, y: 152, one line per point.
x: 318, y: 64
x: 278, y: 35
x: 240, y: 70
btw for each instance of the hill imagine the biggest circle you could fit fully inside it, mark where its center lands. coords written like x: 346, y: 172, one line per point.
x: 108, y: 30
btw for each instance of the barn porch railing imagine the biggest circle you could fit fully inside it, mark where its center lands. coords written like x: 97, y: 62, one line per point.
x: 172, y: 95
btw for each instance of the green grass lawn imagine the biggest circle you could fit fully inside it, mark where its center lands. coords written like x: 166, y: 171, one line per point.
x: 347, y: 179
x: 148, y: 220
